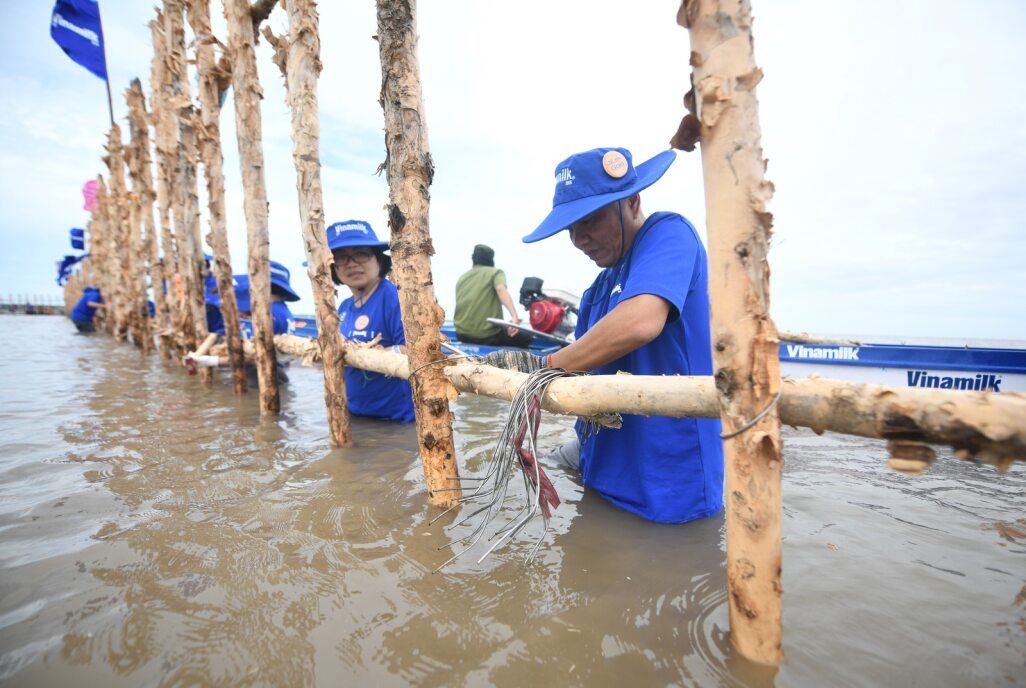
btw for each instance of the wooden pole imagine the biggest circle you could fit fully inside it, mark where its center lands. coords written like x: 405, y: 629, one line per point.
x: 73, y: 289
x: 299, y: 61
x: 247, y: 96
x: 190, y: 254
x: 117, y: 211
x: 208, y: 129
x: 105, y: 268
x: 143, y: 226
x: 135, y: 284
x: 745, y: 341
x: 142, y: 180
x: 165, y: 137
x: 409, y: 169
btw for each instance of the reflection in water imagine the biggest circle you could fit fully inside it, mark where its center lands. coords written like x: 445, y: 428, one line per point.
x: 160, y: 532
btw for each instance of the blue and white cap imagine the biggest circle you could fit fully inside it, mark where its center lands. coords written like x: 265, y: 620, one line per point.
x: 593, y: 179
x: 280, y: 279
x: 353, y: 233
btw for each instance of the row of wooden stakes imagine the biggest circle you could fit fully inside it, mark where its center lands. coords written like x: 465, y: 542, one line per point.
x: 723, y: 117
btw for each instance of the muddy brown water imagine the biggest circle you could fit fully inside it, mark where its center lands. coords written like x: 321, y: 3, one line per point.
x: 157, y: 532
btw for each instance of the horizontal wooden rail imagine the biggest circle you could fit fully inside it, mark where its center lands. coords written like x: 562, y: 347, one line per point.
x: 981, y: 426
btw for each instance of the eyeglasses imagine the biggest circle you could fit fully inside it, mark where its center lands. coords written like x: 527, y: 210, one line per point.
x: 358, y: 257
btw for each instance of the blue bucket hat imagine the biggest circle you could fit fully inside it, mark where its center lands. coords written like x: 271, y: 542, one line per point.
x: 280, y: 279
x: 593, y: 179
x: 353, y: 233
x: 241, y: 285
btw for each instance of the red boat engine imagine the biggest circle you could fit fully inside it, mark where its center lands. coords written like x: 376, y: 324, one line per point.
x: 554, y: 312
x: 546, y: 316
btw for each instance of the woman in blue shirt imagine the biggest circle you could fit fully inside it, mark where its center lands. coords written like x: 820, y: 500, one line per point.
x: 372, y: 312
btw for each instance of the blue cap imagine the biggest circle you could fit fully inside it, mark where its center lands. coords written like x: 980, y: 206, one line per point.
x: 241, y: 285
x: 352, y: 233
x: 280, y: 279
x: 593, y: 179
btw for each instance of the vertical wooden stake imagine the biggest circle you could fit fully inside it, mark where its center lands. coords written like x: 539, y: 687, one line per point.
x: 142, y: 176
x: 143, y: 246
x: 118, y: 210
x: 97, y: 251
x: 744, y: 337
x: 409, y: 169
x: 208, y: 130
x: 104, y: 254
x: 190, y: 254
x: 166, y: 141
x: 299, y: 61
x: 247, y: 95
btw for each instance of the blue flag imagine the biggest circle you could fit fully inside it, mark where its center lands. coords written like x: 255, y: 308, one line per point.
x: 75, y: 26
x: 64, y: 267
x: 78, y: 238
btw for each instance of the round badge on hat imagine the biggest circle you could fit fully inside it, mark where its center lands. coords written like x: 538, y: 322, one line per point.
x: 615, y: 164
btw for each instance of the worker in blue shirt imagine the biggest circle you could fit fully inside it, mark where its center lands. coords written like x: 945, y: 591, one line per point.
x: 370, y: 313
x: 215, y: 323
x: 282, y: 320
x: 281, y: 292
x: 647, y: 313
x: 84, y: 311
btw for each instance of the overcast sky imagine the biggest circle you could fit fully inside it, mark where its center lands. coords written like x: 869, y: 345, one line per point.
x: 895, y: 133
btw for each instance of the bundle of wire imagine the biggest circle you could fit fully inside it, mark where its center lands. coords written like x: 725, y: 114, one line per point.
x: 516, y: 449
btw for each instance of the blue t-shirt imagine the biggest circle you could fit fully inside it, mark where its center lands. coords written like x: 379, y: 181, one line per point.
x: 82, y: 310
x: 209, y: 288
x: 667, y: 470
x: 282, y: 321
x: 281, y: 318
x: 373, y: 394
x: 215, y: 321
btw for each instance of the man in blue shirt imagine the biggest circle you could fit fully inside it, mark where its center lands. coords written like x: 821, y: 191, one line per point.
x: 647, y: 313
x: 83, y: 312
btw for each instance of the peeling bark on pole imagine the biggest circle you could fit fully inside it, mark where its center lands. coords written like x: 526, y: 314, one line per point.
x: 118, y: 214
x: 744, y: 337
x: 142, y: 180
x: 208, y: 130
x: 299, y: 60
x: 248, y: 94
x: 144, y: 247
x: 104, y: 245
x: 135, y: 287
x: 409, y: 169
x: 97, y: 249
x: 166, y: 141
x: 190, y: 255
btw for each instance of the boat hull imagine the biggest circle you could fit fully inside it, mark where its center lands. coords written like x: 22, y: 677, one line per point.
x: 968, y: 368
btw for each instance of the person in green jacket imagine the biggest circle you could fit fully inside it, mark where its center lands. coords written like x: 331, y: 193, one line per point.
x: 480, y: 294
